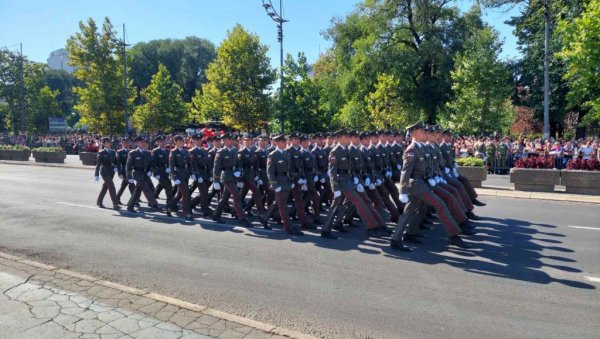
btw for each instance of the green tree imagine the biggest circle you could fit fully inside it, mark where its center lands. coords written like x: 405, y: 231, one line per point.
x: 63, y: 82
x: 96, y: 55
x: 301, y: 98
x: 186, y: 59
x: 581, y: 52
x: 388, y: 106
x: 238, y: 81
x: 43, y: 106
x: 163, y: 105
x: 481, y: 85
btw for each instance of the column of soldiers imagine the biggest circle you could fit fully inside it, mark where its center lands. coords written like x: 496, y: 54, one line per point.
x: 330, y: 179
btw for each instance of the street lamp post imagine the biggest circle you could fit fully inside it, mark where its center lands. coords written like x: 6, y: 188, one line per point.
x: 278, y: 18
x: 546, y: 66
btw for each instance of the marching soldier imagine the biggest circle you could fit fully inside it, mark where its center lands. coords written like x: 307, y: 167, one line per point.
x: 342, y: 183
x: 414, y: 182
x: 107, y: 166
x: 298, y: 179
x: 179, y: 163
x: 248, y: 162
x: 139, y: 171
x: 161, y: 169
x: 278, y: 172
x: 226, y: 171
x: 200, y: 174
x: 122, y: 162
x: 309, y: 163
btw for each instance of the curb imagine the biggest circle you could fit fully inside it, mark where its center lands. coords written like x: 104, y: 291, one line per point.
x: 563, y: 197
x: 265, y: 327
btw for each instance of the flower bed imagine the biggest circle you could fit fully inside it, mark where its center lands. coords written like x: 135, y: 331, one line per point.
x: 49, y: 155
x: 17, y: 153
x: 534, y: 179
x: 472, y: 169
x: 582, y: 176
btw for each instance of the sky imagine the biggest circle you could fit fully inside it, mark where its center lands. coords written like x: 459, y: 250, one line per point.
x: 43, y: 26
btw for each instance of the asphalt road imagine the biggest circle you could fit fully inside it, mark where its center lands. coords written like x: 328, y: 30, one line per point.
x: 529, y: 274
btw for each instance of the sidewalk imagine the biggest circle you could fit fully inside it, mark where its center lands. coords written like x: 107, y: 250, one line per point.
x: 41, y: 301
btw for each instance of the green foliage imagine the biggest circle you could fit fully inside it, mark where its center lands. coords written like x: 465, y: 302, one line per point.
x: 186, y: 59
x: 238, y: 80
x: 44, y: 106
x: 63, y: 82
x: 96, y: 56
x: 48, y: 149
x: 581, y: 52
x: 481, y: 85
x: 163, y: 105
x: 390, y: 106
x: 471, y: 161
x: 301, y: 98
x: 14, y: 148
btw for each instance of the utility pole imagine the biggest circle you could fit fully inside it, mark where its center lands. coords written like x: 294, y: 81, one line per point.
x: 278, y: 18
x: 546, y: 66
x: 125, y: 94
x: 23, y: 117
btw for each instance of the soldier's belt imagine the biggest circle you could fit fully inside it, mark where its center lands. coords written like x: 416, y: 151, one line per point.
x: 343, y: 172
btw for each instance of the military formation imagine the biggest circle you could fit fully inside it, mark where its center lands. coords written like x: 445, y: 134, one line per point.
x: 330, y: 179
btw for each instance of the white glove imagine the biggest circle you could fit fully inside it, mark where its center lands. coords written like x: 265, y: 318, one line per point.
x: 200, y: 180
x: 455, y: 172
x: 323, y: 180
x: 237, y: 174
x: 240, y: 184
x: 259, y: 182
x: 360, y: 188
x: 210, y: 179
x: 404, y: 198
x: 300, y: 181
x: 455, y: 165
x: 437, y: 179
x: 120, y: 177
x: 378, y: 182
x: 193, y: 177
x: 256, y: 178
x: 316, y: 178
x: 355, y: 180
x: 131, y: 181
x: 337, y: 194
x: 217, y: 186
x: 304, y: 187
x: 176, y: 182
x: 368, y: 182
x: 431, y: 182
x: 149, y: 174
x: 388, y: 174
x: 168, y: 170
x: 399, y: 167
x: 292, y: 186
x: 447, y: 170
x: 116, y: 170
x: 444, y: 181
x: 97, y: 178
x: 278, y: 189
x: 157, y: 177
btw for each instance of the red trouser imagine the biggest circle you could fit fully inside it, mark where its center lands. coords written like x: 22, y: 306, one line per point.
x: 468, y: 187
x: 256, y: 195
x: 452, y: 203
x: 297, y: 195
x: 455, y: 194
x: 389, y: 205
x: 391, y: 188
x: 142, y: 185
x: 378, y: 218
x: 183, y: 192
x: 376, y: 198
x: 313, y: 197
x: 230, y: 190
x: 281, y: 199
x: 464, y: 196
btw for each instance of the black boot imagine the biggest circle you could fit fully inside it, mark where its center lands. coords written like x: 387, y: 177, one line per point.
x: 411, y: 238
x: 399, y: 245
x: 458, y: 242
x: 478, y: 203
x: 472, y: 216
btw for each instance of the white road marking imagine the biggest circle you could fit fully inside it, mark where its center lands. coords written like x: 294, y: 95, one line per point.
x: 586, y: 227
x: 592, y: 279
x: 254, y: 229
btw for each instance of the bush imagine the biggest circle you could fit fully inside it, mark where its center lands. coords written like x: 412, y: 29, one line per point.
x: 535, y: 162
x: 14, y: 148
x: 48, y: 149
x: 472, y: 161
x: 584, y: 165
